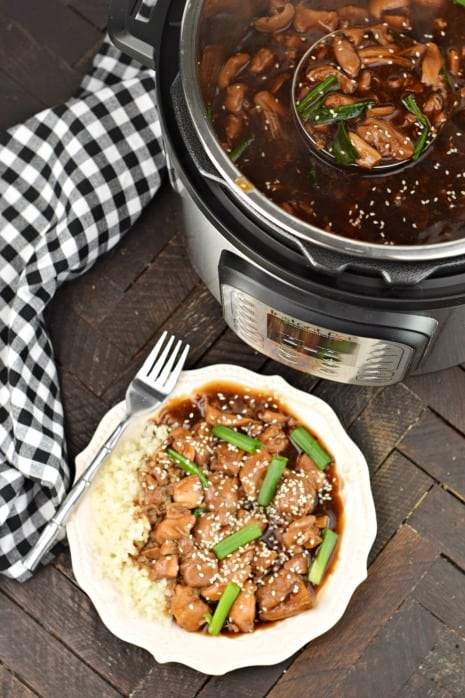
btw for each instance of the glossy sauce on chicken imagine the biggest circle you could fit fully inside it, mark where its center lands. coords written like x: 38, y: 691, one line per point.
x: 250, y: 108
x: 189, y: 518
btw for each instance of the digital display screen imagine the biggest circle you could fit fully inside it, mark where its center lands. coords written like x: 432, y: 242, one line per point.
x: 310, y: 341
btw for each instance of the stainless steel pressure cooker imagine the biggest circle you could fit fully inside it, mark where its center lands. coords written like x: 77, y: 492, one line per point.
x: 333, y: 307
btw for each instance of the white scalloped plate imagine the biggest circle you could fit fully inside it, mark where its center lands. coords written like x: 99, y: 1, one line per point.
x: 218, y: 655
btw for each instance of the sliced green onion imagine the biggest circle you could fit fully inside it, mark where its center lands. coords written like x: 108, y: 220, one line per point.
x: 271, y: 480
x: 459, y: 2
x: 320, y: 563
x: 311, y: 447
x: 323, y: 88
x: 412, y: 106
x: 223, y: 607
x: 447, y: 78
x: 187, y: 465
x: 237, y: 438
x: 236, y: 540
x: 345, y: 112
x: 342, y: 149
x: 240, y: 148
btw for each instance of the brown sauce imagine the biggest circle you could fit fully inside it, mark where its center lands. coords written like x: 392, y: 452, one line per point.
x: 423, y: 202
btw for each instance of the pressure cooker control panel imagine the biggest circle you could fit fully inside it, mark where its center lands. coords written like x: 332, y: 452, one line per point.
x: 344, y: 349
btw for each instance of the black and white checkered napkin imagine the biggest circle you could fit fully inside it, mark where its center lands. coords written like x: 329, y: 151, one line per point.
x: 73, y: 180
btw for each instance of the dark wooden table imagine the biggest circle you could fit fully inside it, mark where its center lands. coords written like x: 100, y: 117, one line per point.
x: 404, y: 631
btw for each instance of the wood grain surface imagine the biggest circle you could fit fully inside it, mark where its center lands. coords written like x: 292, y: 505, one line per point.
x: 404, y: 631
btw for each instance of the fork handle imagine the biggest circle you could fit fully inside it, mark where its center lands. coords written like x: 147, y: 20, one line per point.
x: 55, y: 527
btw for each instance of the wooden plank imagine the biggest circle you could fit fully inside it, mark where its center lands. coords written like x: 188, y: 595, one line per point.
x: 11, y: 686
x: 96, y: 11
x: 231, y: 349
x: 328, y: 658
x: 151, y: 300
x: 72, y: 620
x: 40, y: 660
x: 82, y: 409
x: 348, y: 401
x: 398, y: 486
x: 443, y: 392
x: 420, y: 686
x: 68, y: 35
x: 437, y: 448
x: 441, y: 519
x: 42, y: 74
x: 139, y: 247
x: 387, y: 664
x: 16, y: 104
x: 445, y: 664
x: 384, y: 421
x: 442, y: 591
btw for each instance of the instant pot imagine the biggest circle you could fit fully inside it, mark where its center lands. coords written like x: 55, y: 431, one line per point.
x: 343, y: 310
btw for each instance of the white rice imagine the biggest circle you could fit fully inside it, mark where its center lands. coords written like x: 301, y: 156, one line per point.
x: 120, y: 529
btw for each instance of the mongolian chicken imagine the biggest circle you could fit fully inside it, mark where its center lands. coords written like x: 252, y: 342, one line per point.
x: 385, y: 86
x: 244, y: 512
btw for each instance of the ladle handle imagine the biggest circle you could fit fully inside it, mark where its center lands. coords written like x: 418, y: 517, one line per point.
x: 136, y: 27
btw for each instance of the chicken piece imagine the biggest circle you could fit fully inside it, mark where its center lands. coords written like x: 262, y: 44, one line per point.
x: 166, y: 567
x: 263, y: 559
x: 177, y: 524
x: 237, y: 568
x: 316, y: 75
x: 153, y: 492
x: 386, y: 139
x: 222, y: 493
x: 227, y: 459
x: 347, y: 56
x: 302, y: 533
x: 233, y: 128
x: 274, y: 439
x: 181, y: 441
x: 211, y: 528
x: 188, y: 492
x: 431, y: 66
x: 235, y: 97
x: 243, y: 612
x: 368, y: 156
x: 298, y: 564
x: 253, y: 471
x: 261, y: 61
x: 384, y: 55
x: 306, y: 18
x: 215, y: 416
x: 352, y: 15
x: 202, y: 435
x: 295, y: 496
x: 231, y: 68
x: 378, y: 7
x: 281, y: 16
x: 336, y: 99
x: 198, y: 568
x: 283, y: 594
x: 316, y: 476
x: 273, y: 417
x: 188, y: 608
x: 267, y: 101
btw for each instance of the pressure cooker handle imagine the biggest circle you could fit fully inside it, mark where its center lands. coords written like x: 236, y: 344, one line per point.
x: 136, y: 27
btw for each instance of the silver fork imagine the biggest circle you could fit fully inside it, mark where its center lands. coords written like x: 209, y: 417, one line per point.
x: 151, y: 385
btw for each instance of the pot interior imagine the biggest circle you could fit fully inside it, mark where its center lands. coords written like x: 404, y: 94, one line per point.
x: 415, y: 212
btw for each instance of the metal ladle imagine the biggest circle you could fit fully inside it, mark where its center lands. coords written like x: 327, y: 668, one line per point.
x: 352, y: 67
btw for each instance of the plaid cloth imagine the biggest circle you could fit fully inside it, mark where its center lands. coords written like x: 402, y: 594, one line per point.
x: 73, y: 180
